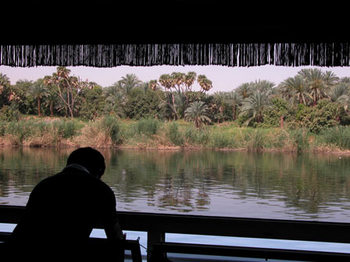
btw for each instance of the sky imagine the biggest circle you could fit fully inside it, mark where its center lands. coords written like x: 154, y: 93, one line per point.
x: 223, y: 78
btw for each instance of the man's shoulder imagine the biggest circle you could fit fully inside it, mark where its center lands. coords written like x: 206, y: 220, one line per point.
x: 79, y: 180
x: 63, y: 187
x: 46, y: 181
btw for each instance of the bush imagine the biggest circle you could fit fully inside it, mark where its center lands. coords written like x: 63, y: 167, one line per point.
x: 272, y: 115
x: 20, y: 130
x: 66, y: 128
x: 111, y: 126
x: 174, y: 134
x: 257, y: 141
x: 322, y: 116
x: 338, y: 136
x: 197, y: 136
x: 147, y: 126
x: 278, y: 139
x: 2, y: 128
x: 222, y: 140
x: 9, y: 113
x: 300, y: 138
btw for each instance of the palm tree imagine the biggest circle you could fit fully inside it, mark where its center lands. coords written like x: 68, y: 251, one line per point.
x: 67, y: 88
x: 178, y: 81
x: 318, y: 82
x: 153, y: 85
x: 294, y: 88
x: 234, y: 99
x: 197, y: 112
x: 262, y: 85
x: 330, y: 78
x: 129, y: 82
x: 190, y: 77
x: 204, y: 83
x: 115, y: 101
x: 168, y: 82
x: 340, y: 93
x: 244, y: 90
x: 254, y: 105
x: 38, y: 91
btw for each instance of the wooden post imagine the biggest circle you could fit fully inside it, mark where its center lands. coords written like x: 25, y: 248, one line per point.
x: 154, y: 237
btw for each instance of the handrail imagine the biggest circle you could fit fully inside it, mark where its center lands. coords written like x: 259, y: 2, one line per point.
x: 218, y: 226
x: 157, y: 225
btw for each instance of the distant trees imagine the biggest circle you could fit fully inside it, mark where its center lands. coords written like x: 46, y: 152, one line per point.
x: 178, y: 88
x: 312, y: 99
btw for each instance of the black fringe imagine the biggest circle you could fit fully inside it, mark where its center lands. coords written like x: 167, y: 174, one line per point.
x: 226, y: 54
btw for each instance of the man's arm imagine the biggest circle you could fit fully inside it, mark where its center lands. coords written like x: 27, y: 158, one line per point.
x: 112, y: 227
x: 114, y: 232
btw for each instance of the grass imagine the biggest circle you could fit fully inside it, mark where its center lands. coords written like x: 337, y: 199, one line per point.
x: 338, y: 136
x: 152, y: 133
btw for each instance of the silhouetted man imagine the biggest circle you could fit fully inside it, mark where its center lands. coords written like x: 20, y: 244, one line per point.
x: 62, y: 209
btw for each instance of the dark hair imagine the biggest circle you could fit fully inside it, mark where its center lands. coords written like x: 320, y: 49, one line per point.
x: 89, y: 158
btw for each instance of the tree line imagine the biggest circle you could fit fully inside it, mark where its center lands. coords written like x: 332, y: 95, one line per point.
x: 312, y: 99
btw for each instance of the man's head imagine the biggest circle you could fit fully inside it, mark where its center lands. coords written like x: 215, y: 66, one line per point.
x: 89, y: 158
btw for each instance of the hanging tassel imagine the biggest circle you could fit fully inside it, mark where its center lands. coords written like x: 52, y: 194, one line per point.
x: 226, y: 54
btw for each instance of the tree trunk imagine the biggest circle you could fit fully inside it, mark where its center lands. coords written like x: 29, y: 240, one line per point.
x: 71, y: 112
x: 196, y: 122
x: 174, y: 106
x: 282, y: 121
x: 234, y: 112
x: 39, y: 107
x: 51, y: 108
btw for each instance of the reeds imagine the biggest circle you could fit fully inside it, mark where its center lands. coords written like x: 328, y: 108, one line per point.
x: 152, y: 133
x: 37, y: 132
x: 338, y: 136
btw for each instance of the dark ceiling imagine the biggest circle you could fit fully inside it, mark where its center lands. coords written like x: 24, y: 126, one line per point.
x: 173, y: 21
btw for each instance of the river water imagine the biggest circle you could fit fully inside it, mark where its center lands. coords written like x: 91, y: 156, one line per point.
x: 235, y: 184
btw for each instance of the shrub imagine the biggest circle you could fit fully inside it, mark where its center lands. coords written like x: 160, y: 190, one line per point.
x: 339, y: 136
x: 147, y: 126
x: 174, y: 134
x: 2, y: 128
x: 65, y: 128
x: 300, y: 138
x: 197, y: 136
x: 20, y: 130
x: 9, y: 113
x: 257, y: 141
x: 222, y: 140
x: 111, y: 127
x: 272, y: 115
x: 322, y: 116
x: 278, y: 138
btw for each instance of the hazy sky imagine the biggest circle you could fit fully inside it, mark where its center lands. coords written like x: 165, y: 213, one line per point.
x: 224, y: 78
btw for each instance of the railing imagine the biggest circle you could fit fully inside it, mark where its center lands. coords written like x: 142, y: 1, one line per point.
x: 157, y: 225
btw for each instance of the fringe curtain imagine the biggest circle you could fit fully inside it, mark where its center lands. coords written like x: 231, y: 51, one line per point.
x: 227, y: 54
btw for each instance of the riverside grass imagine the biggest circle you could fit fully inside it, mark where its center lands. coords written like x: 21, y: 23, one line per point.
x: 110, y: 132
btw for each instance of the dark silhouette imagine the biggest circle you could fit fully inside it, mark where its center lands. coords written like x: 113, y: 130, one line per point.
x: 63, y: 209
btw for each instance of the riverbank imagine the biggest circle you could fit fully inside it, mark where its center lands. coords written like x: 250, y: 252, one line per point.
x: 153, y: 134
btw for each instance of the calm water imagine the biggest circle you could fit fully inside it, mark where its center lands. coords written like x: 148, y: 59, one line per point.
x: 239, y: 184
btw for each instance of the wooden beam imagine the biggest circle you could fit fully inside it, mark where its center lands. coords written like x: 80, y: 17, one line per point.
x: 219, y: 226
x: 267, y: 253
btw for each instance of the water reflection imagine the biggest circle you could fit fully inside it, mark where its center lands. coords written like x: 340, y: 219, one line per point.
x: 201, y: 182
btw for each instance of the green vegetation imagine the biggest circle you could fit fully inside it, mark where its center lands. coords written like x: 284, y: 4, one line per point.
x: 307, y: 112
x: 152, y: 133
